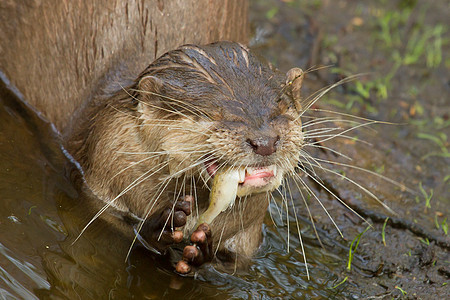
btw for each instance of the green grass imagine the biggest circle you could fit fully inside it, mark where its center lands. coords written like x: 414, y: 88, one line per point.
x: 426, y: 195
x: 425, y: 241
x: 401, y: 290
x: 340, y: 283
x: 30, y: 209
x: 444, y: 226
x: 352, y: 249
x: 440, y: 140
x: 383, y: 235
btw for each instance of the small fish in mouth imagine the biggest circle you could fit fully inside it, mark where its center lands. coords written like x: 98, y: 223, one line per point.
x: 231, y: 182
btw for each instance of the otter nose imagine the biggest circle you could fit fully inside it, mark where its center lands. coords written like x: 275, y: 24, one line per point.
x: 264, y: 146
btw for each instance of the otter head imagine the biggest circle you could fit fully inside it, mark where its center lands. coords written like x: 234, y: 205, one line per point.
x: 218, y: 106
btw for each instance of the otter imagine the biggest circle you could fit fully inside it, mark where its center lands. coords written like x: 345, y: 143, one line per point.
x: 151, y: 150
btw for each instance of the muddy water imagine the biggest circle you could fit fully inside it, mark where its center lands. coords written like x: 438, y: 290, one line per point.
x: 43, y: 207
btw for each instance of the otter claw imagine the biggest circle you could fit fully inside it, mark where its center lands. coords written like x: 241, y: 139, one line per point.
x: 199, y: 252
x: 163, y: 230
x: 183, y: 267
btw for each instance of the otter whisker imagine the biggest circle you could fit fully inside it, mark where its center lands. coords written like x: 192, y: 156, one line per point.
x: 284, y: 201
x: 307, y: 157
x: 173, y: 111
x: 318, y: 94
x: 160, y: 153
x: 331, y: 150
x: 316, y: 68
x: 338, y: 198
x: 105, y: 207
x: 278, y: 209
x: 269, y: 198
x: 317, y: 143
x: 315, y: 122
x: 184, y: 104
x: 156, y: 154
x: 174, y: 127
x: 155, y: 106
x: 391, y: 181
x: 221, y: 235
x: 314, y: 119
x: 309, y: 213
x: 132, y: 165
x: 122, y: 112
x: 296, y: 176
x: 193, y: 193
x: 353, y: 116
x: 345, y: 131
x: 286, y: 204
x: 240, y: 209
x: 151, y: 203
x: 317, y: 131
x: 363, y: 189
x: 171, y: 214
x: 298, y: 230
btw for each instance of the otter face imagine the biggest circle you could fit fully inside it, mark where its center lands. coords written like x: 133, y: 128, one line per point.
x: 228, y: 110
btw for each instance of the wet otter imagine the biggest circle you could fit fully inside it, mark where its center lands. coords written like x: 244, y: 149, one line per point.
x: 152, y: 149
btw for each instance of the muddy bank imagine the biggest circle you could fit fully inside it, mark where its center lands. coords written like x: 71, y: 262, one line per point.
x: 400, y: 49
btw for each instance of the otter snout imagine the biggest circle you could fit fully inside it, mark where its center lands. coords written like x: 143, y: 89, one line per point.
x: 264, y: 146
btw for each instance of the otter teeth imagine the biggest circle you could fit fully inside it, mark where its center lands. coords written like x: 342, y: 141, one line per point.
x: 252, y: 170
x: 241, y: 173
x: 273, y: 168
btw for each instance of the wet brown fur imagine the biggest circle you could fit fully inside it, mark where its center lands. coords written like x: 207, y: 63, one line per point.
x: 192, y: 103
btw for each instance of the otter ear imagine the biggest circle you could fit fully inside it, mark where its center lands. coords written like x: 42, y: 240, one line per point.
x: 149, y: 85
x: 294, y: 80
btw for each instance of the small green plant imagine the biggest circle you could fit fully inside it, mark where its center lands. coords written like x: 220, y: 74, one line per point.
x: 440, y: 139
x: 352, y: 249
x: 446, y: 178
x: 340, y: 283
x: 30, y: 209
x: 425, y: 241
x: 425, y: 195
x: 383, y: 235
x: 436, y: 222
x: 444, y: 226
x: 271, y: 13
x: 424, y: 44
x: 401, y: 290
x: 379, y: 86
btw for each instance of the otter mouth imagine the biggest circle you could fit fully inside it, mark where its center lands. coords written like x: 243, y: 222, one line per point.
x: 228, y: 182
x: 248, y: 177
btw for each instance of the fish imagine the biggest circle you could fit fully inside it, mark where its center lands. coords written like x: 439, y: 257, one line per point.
x: 223, y: 193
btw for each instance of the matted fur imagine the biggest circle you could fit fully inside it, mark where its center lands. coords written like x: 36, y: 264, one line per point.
x: 149, y: 143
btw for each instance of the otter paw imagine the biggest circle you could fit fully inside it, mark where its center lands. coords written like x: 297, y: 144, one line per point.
x: 199, y: 252
x: 164, y: 229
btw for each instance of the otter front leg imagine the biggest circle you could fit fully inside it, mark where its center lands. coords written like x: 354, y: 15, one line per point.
x: 163, y: 228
